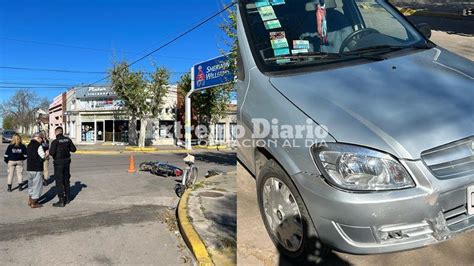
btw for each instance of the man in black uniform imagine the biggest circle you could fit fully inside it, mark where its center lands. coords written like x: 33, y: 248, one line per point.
x: 60, y: 150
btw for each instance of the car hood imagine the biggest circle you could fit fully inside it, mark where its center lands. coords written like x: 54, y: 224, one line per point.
x: 403, y: 105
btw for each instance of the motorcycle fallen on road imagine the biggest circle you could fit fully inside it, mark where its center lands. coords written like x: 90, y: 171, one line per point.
x: 161, y: 169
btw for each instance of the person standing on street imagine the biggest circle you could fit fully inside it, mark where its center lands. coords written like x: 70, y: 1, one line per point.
x: 34, y: 167
x: 14, y: 156
x: 60, y: 150
x: 45, y: 144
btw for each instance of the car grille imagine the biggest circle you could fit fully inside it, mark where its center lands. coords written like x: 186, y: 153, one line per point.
x: 451, y: 160
x: 457, y: 218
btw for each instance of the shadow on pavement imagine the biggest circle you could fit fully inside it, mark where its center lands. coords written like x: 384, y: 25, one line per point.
x: 450, y: 26
x: 225, y: 223
x: 313, y: 249
x: 76, y: 189
x: 331, y: 259
x: 51, y: 193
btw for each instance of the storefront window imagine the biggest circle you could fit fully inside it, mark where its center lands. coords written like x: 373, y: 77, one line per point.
x: 87, y: 132
x: 233, y: 131
x: 121, y: 131
x: 166, y: 129
x: 220, y: 132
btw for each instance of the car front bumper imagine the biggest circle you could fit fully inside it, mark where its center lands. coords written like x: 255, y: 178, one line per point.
x: 380, y: 222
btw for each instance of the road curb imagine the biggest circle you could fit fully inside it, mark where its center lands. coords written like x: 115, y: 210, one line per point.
x: 140, y: 149
x: 214, y: 147
x: 191, y: 237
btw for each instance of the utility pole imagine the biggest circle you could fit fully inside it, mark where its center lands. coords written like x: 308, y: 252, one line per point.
x: 187, y: 124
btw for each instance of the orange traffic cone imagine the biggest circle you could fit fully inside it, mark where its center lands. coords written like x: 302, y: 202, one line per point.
x: 131, y: 167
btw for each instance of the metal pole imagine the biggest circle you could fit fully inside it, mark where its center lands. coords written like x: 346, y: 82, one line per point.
x: 187, y: 123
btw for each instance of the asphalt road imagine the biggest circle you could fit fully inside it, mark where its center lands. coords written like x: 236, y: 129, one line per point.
x: 254, y: 246
x: 452, y: 34
x: 115, y: 217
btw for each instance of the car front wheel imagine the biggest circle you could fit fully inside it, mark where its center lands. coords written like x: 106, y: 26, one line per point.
x: 285, y: 216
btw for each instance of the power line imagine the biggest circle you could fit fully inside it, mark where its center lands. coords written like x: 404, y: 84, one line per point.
x: 174, y: 39
x: 32, y: 84
x: 52, y: 70
x: 33, y: 87
x: 70, y: 71
x: 92, y: 49
x: 40, y: 85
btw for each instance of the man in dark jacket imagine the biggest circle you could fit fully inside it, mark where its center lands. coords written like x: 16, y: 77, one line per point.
x: 60, y: 150
x: 34, y: 167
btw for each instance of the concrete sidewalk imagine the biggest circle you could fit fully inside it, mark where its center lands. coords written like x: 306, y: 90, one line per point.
x: 211, y: 210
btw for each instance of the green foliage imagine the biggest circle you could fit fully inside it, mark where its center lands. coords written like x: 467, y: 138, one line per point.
x: 229, y: 26
x: 142, y: 95
x: 9, y: 122
x: 210, y: 104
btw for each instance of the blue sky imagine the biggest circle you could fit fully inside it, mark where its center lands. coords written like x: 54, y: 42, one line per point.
x: 124, y: 27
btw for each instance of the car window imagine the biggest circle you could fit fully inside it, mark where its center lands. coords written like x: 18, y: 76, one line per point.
x: 376, y: 16
x: 299, y: 33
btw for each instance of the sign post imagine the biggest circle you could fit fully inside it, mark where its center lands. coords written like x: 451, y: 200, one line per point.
x: 187, y: 105
x: 205, y: 75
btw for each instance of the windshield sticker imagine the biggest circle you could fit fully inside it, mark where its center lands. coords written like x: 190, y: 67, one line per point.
x: 278, y: 39
x: 260, y: 3
x: 267, y: 13
x: 299, y: 51
x: 277, y: 2
x: 281, y: 51
x: 283, y: 61
x: 272, y: 24
x: 300, y: 44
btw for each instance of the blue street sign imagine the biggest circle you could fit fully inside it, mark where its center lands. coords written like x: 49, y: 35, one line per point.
x: 213, y: 73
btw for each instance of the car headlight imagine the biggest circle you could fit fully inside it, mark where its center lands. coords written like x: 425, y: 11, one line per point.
x: 361, y: 169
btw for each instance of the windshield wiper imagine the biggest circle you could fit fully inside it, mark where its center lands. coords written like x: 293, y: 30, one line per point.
x: 387, y: 48
x: 304, y: 56
x: 378, y: 48
x: 324, y: 57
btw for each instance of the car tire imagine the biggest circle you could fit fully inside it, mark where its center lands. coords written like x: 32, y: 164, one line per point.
x: 311, y: 249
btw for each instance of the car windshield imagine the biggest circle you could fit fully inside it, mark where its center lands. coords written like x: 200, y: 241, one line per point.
x: 286, y: 34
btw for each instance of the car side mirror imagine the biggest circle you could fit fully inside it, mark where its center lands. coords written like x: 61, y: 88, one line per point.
x: 425, y: 29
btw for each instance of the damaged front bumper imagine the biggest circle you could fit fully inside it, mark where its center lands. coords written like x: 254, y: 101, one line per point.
x: 380, y: 222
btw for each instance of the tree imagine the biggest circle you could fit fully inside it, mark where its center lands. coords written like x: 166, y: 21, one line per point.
x: 142, y: 95
x: 229, y: 26
x: 44, y: 104
x: 9, y: 122
x: 21, y: 108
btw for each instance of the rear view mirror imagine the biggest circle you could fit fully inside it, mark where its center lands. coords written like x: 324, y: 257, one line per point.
x: 425, y: 29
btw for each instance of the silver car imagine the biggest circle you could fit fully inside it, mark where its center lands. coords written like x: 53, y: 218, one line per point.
x: 358, y: 129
